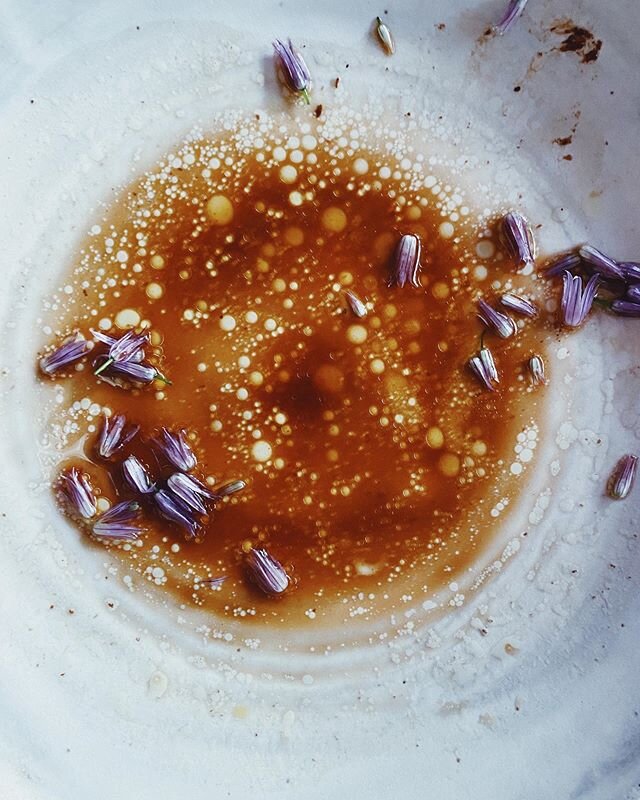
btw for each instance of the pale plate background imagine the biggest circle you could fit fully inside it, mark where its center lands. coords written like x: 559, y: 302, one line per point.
x: 119, y: 704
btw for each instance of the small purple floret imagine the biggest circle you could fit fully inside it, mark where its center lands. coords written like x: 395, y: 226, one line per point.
x: 79, y: 492
x: 116, y: 523
x: 68, y: 353
x: 633, y: 293
x: 191, y: 491
x: 294, y: 70
x: 128, y: 345
x: 501, y: 323
x: 115, y: 434
x: 576, y: 299
x: 536, y: 370
x: 228, y: 488
x: 625, y: 308
x: 137, y: 475
x: 622, y: 477
x: 406, y: 262
x: 173, y: 509
x: 630, y: 270
x: 133, y: 371
x: 519, y: 304
x: 111, y: 341
x: 174, y: 447
x: 518, y: 237
x: 511, y: 14
x: 601, y: 263
x: 266, y: 573
x: 566, y: 263
x: 484, y: 368
x: 358, y: 308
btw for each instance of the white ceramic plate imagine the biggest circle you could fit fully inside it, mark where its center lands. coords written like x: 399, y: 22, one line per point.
x: 529, y: 689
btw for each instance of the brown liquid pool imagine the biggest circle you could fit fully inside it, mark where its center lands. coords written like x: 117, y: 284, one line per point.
x: 376, y: 465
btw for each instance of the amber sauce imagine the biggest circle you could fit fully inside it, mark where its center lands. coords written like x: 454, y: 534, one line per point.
x: 374, y: 460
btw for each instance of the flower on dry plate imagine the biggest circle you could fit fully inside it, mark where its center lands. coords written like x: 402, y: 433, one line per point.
x: 576, y: 298
x: 622, y: 477
x: 512, y: 12
x: 295, y: 72
x: 518, y: 238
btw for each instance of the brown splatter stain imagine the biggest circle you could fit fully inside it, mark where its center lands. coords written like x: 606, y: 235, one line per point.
x: 568, y: 157
x: 440, y: 26
x: 565, y: 141
x: 577, y: 40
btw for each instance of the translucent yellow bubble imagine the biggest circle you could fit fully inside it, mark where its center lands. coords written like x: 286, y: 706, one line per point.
x: 356, y: 334
x: 127, y: 318
x: 154, y: 291
x: 449, y: 465
x: 220, y: 210
x: 435, y: 438
x: 334, y: 219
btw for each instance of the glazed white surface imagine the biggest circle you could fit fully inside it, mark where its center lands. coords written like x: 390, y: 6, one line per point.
x: 119, y: 699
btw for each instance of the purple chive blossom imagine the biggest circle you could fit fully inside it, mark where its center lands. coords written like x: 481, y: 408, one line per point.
x: 191, y: 491
x: 266, y: 573
x: 212, y: 583
x: 132, y: 371
x: 105, y: 338
x: 536, y: 370
x: 125, y: 348
x: 69, y: 352
x: 576, y: 299
x: 501, y: 323
x: 633, y: 293
x: 484, y: 368
x: 518, y: 238
x: 79, y: 492
x: 566, y: 263
x: 115, y: 434
x: 358, y: 308
x: 174, y: 447
x: 622, y: 477
x: 630, y: 270
x: 116, y: 523
x: 519, y: 304
x: 601, y: 263
x: 173, y: 509
x: 625, y: 308
x: 511, y: 14
x: 137, y: 475
x: 489, y: 364
x: 406, y: 261
x: 229, y: 488
x: 295, y: 72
